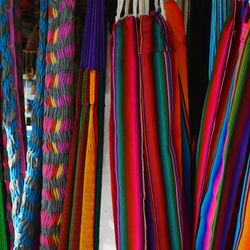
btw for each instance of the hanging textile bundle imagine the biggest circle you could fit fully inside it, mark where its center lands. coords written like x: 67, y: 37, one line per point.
x: 220, y: 12
x: 180, y: 124
x: 146, y: 158
x: 222, y: 162
x: 85, y: 169
x: 12, y: 90
x: 58, y: 117
x: 30, y: 207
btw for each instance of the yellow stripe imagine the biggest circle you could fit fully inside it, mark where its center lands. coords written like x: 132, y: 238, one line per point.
x: 59, y: 171
x: 89, y: 185
x: 55, y: 36
x: 92, y: 87
x: 53, y: 58
x: 56, y: 81
x: 55, y: 13
x: 54, y: 147
x: 53, y: 102
x: 58, y: 126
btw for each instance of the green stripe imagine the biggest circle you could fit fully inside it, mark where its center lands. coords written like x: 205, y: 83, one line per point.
x: 163, y: 128
x: 77, y: 158
x: 119, y: 112
x: 241, y: 83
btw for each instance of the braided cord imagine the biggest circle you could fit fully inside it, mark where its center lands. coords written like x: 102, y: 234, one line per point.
x: 30, y: 206
x: 10, y: 106
x: 58, y: 117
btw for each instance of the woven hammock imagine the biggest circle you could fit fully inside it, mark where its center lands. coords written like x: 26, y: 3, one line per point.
x: 13, y: 115
x: 221, y: 160
x: 83, y: 232
x: 149, y: 130
x: 58, y: 117
x: 28, y: 227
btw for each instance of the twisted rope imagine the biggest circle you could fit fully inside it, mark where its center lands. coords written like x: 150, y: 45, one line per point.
x: 27, y: 227
x: 11, y: 106
x: 58, y: 117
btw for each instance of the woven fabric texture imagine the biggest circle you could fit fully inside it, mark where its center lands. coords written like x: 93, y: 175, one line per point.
x: 58, y: 117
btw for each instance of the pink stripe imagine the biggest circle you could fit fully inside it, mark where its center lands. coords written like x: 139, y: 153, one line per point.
x: 210, y: 112
x: 64, y: 79
x: 66, y: 4
x: 61, y: 147
x: 65, y: 52
x: 64, y: 100
x: 49, y: 125
x: 64, y: 31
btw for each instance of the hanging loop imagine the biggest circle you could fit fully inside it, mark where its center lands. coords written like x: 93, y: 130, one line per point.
x: 127, y: 4
x: 135, y: 4
x: 119, y: 9
x: 163, y: 13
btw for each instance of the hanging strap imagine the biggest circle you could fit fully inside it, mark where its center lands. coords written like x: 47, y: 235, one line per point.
x: 156, y: 5
x: 146, y: 7
x: 141, y: 7
x: 119, y: 9
x: 135, y: 4
x: 127, y: 3
x: 163, y: 13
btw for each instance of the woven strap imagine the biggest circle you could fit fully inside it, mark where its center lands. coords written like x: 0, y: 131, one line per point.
x: 11, y: 107
x: 58, y: 117
x: 28, y: 227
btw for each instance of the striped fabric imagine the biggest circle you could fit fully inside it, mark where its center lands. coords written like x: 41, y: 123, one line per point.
x: 181, y: 134
x: 224, y: 137
x: 30, y: 207
x: 58, y: 117
x: 67, y: 207
x: 75, y: 225
x: 84, y: 226
x: 220, y: 12
x: 12, y: 115
x: 146, y: 183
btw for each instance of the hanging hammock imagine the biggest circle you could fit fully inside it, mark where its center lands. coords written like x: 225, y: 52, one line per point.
x: 225, y: 159
x: 80, y: 228
x: 147, y: 186
x: 13, y: 110
x: 58, y: 118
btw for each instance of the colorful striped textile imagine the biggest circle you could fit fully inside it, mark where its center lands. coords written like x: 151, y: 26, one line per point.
x: 210, y: 108
x: 220, y: 12
x: 75, y: 225
x: 58, y: 117
x: 30, y: 208
x: 84, y: 232
x: 146, y: 183
x: 181, y: 133
x: 67, y: 207
x: 12, y: 104
x: 224, y: 138
x: 241, y: 240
